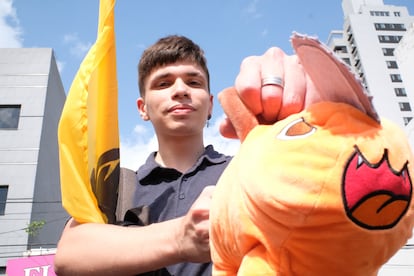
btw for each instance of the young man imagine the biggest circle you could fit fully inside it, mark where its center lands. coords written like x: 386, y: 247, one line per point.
x: 175, y: 97
x: 176, y: 181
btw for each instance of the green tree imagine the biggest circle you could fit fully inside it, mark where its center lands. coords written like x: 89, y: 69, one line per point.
x: 33, y: 228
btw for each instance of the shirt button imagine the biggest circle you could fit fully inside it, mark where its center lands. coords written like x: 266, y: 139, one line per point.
x: 181, y: 196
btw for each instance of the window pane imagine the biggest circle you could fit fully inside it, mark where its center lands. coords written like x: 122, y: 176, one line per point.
x: 396, y: 78
x: 392, y: 64
x: 407, y: 120
x: 3, y: 198
x: 404, y: 106
x: 400, y: 92
x: 9, y: 116
x: 388, y: 51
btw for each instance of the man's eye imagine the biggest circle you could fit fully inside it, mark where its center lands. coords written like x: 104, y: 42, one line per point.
x: 195, y: 83
x: 162, y: 84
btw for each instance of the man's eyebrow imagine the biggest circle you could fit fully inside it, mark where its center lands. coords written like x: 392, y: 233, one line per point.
x: 161, y: 76
x: 194, y: 73
x: 168, y: 74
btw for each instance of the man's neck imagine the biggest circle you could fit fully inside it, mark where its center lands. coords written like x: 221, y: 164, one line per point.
x: 180, y: 153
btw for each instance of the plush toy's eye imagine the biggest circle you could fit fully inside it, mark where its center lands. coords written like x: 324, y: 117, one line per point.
x: 296, y: 129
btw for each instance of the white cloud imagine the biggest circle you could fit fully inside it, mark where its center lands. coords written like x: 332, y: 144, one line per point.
x: 135, y: 149
x: 252, y: 9
x: 11, y: 34
x: 78, y: 48
x: 224, y: 145
x: 140, y: 130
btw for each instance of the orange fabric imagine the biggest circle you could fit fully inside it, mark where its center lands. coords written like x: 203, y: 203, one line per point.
x: 294, y: 202
x: 327, y: 191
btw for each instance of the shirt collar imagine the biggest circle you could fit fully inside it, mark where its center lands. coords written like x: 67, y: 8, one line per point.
x: 151, y: 167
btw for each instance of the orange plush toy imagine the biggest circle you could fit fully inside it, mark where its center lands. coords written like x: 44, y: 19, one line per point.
x: 327, y: 191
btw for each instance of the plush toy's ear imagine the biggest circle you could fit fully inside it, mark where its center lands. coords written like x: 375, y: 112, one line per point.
x: 331, y: 76
x: 242, y: 120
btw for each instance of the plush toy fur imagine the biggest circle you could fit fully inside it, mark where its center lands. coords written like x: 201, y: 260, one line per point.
x: 327, y: 191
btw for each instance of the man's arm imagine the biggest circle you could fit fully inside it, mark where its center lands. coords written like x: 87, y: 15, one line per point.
x: 104, y: 249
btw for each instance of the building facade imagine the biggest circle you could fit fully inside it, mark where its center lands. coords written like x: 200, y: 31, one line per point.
x: 31, y: 100
x: 371, y: 33
x: 405, y: 58
x: 377, y: 42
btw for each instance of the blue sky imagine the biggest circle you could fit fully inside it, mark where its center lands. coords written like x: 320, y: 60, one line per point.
x: 227, y: 30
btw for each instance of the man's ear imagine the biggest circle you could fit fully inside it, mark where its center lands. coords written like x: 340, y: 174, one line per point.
x: 142, y: 108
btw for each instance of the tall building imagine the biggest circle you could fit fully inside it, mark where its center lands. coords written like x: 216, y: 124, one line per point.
x: 377, y: 41
x: 405, y: 58
x: 371, y: 33
x: 31, y: 100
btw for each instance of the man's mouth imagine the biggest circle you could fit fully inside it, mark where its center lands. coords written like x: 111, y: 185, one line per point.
x: 181, y: 109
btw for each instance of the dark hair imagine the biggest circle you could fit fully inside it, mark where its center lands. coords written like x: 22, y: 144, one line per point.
x: 169, y: 50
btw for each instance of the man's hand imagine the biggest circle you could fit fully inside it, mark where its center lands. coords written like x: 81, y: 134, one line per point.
x: 275, y: 85
x: 272, y: 102
x: 193, y: 235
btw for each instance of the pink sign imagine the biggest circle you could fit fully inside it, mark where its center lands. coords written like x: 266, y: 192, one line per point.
x: 31, y: 266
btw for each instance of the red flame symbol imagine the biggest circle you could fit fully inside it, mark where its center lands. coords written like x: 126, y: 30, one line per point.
x: 375, y: 195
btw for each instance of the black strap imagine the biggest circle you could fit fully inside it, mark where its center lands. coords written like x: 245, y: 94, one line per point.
x: 138, y: 216
x: 126, y: 191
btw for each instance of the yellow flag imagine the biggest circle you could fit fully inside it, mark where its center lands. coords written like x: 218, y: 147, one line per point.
x: 88, y: 131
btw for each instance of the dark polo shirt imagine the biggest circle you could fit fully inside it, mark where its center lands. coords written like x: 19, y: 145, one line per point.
x: 170, y: 194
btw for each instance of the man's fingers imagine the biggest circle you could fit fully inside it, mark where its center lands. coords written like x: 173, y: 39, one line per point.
x: 248, y: 84
x: 272, y: 94
x: 203, y: 201
x: 227, y: 129
x: 294, y: 92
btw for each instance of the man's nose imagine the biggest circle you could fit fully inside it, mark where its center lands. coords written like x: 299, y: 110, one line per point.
x: 180, y: 89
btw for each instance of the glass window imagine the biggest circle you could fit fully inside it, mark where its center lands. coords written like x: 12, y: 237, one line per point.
x: 400, y: 92
x: 384, y: 38
x: 3, y: 199
x: 404, y: 106
x: 379, y: 13
x: 391, y: 64
x: 407, y: 120
x: 347, y: 61
x: 396, y: 78
x: 390, y: 26
x: 340, y: 49
x: 389, y: 38
x: 9, y: 116
x: 388, y: 51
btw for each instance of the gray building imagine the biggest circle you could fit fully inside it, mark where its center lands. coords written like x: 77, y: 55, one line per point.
x: 377, y: 42
x: 31, y: 100
x: 405, y: 58
x: 371, y: 33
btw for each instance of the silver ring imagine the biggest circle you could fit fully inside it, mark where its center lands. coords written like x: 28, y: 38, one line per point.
x: 272, y: 81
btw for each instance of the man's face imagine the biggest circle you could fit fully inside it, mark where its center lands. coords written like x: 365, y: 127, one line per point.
x: 176, y: 99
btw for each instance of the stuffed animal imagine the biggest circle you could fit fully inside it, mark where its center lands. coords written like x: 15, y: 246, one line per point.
x: 327, y: 191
